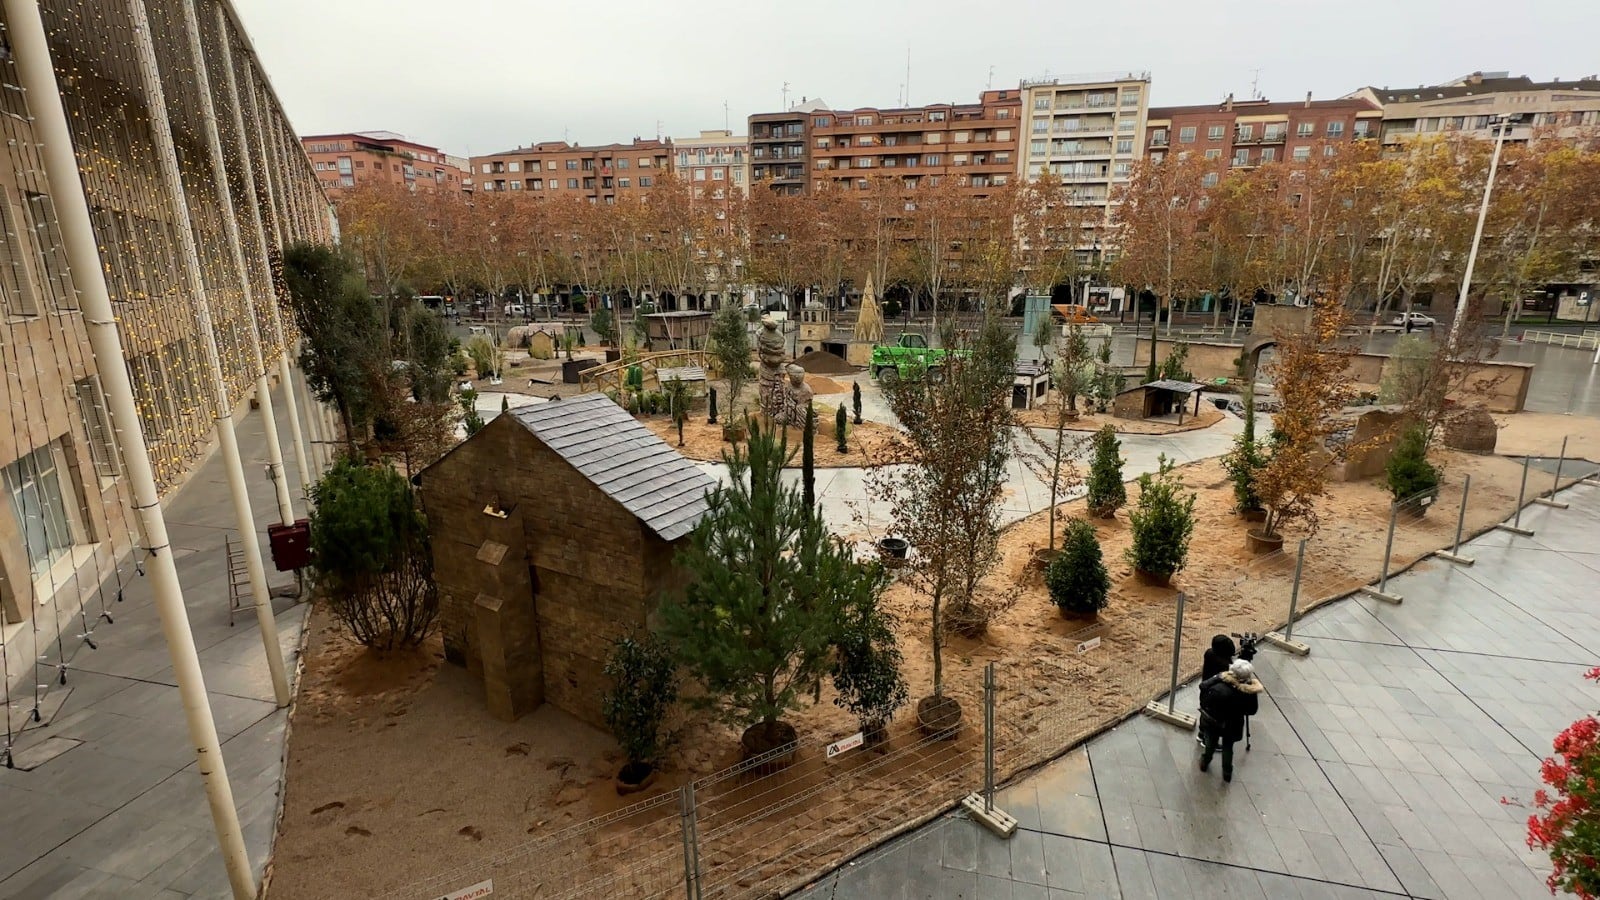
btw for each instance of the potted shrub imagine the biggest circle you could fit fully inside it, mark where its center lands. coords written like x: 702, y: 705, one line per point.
x: 1244, y: 464
x: 1412, y: 480
x: 1162, y: 524
x: 1077, y: 578
x: 643, y: 688
x: 1107, y: 493
x: 866, y: 665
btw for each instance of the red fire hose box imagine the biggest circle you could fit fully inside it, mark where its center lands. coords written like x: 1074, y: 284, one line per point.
x: 291, y: 545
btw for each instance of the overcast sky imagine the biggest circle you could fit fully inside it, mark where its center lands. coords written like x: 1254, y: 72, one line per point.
x: 477, y: 76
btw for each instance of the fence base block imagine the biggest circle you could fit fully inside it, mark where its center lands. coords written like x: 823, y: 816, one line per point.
x: 996, y: 820
x: 1525, y: 532
x: 1455, y: 558
x: 1371, y: 591
x: 1546, y: 501
x: 1157, y: 709
x: 1283, y: 643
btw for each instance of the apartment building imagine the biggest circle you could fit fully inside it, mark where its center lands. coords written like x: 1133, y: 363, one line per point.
x: 975, y: 143
x: 779, y: 157
x: 1251, y: 132
x: 65, y: 521
x: 717, y: 164
x: 598, y: 174
x: 343, y: 161
x: 1086, y: 131
x: 1465, y: 104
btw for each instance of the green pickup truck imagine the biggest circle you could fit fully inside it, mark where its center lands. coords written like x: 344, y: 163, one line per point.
x: 907, y: 358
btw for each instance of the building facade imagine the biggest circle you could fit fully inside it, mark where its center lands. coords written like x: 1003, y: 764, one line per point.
x: 66, y: 529
x: 1086, y: 132
x: 343, y: 161
x: 717, y: 163
x: 598, y: 174
x: 779, y: 159
x: 1566, y: 108
x: 973, y: 142
x: 1251, y: 132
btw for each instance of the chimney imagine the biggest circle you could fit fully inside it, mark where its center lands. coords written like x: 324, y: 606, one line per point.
x: 1308, y: 99
x: 1229, y: 104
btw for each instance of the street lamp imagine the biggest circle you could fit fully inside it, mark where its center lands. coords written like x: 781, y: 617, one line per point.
x: 1502, y: 124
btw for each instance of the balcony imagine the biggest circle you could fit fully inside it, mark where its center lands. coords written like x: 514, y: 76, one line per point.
x: 1159, y: 141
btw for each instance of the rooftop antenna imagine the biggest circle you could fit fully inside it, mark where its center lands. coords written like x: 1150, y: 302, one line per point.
x: 658, y: 129
x: 725, y: 126
x: 990, y: 85
x: 908, y: 76
x: 786, y: 96
x: 1255, y: 82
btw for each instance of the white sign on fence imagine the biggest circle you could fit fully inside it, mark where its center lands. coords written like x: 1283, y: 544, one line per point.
x: 1088, y: 645
x: 843, y: 744
x: 481, y: 889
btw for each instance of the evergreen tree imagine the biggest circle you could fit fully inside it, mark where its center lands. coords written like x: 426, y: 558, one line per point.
x: 729, y: 344
x: 841, y: 429
x: 760, y: 616
x: 1107, y: 493
x: 855, y: 400
x: 808, y: 458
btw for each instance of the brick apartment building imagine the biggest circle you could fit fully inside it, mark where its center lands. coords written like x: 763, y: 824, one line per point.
x: 343, y: 161
x: 559, y: 169
x: 1251, y: 132
x: 976, y: 142
x: 1465, y: 104
x: 779, y: 157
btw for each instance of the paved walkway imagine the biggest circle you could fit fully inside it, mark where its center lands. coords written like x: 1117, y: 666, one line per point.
x: 123, y: 814
x: 1379, y: 762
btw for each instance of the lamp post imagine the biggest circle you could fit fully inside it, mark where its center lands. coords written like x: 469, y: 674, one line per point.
x: 1502, y: 124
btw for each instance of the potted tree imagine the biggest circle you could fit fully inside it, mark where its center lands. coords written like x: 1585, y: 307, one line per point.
x: 866, y: 663
x: 1412, y: 480
x: 729, y: 348
x: 1077, y: 578
x: 1072, y: 370
x: 1051, y: 459
x: 1162, y: 523
x: 1107, y: 493
x: 1244, y: 464
x: 643, y: 689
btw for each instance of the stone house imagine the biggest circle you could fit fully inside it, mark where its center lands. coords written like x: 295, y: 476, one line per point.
x: 554, y: 530
x: 1155, y: 400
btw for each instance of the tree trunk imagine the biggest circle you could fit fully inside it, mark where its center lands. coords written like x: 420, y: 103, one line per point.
x: 938, y: 648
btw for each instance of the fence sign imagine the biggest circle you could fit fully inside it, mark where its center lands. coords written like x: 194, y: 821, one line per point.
x: 1088, y: 645
x: 843, y: 744
x: 473, y: 892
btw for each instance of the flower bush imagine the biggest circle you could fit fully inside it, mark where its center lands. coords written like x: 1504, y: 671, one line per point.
x: 1567, y: 820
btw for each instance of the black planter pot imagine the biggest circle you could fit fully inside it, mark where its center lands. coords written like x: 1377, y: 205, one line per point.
x: 894, y: 551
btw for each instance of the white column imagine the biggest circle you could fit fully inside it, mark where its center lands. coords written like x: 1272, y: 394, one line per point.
x: 259, y: 235
x: 167, y: 159
x: 36, y: 71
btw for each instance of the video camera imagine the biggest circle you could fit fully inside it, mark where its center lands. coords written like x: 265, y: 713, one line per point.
x: 1247, y: 644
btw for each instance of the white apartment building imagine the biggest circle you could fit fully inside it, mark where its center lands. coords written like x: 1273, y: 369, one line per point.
x: 717, y: 163
x: 1086, y: 130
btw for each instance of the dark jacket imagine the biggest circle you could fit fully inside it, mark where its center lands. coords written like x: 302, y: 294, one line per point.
x: 1224, y: 703
x: 1218, y: 658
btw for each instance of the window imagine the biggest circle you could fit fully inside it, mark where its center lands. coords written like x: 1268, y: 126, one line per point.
x: 863, y: 162
x: 1210, y: 180
x: 963, y: 137
x: 535, y: 184
x: 1329, y: 150
x: 683, y: 159
x: 572, y: 165
x: 932, y: 137
x: 1302, y: 153
x: 738, y: 176
x: 555, y: 184
x: 1241, y: 157
x: 1363, y: 130
x: 516, y: 185
x: 932, y: 159
x: 622, y: 164
x: 863, y: 120
x: 700, y: 157
x: 699, y: 174
x: 514, y: 166
x: 347, y: 181
x: 718, y: 174
x: 344, y: 165
x: 1213, y: 154
x: 33, y: 485
x: 1158, y: 137
x: 1335, y: 129
x: 1122, y: 169
x: 16, y: 282
x: 97, y: 425
x: 572, y: 184
x: 1124, y: 145
x: 1041, y: 103
x: 1214, y: 133
x: 1036, y: 148
x: 1125, y: 123
x: 550, y: 166
x: 936, y: 117
x: 588, y: 165
x: 1305, y: 129
x: 1273, y: 132
x: 822, y: 121
x: 1269, y: 154
x: 588, y: 183
x: 645, y: 180
x: 1002, y: 156
x: 1041, y: 126
x: 1244, y: 132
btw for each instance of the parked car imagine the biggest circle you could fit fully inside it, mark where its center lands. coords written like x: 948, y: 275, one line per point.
x: 516, y: 309
x: 1417, y: 320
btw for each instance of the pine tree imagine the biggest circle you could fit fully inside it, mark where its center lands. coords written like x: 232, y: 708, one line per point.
x: 1107, y: 493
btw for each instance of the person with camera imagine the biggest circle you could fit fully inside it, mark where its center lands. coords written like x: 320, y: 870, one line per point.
x: 1226, y: 701
x: 1216, y: 660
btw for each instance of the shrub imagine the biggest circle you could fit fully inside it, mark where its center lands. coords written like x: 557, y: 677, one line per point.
x: 1564, y: 821
x: 1409, y: 472
x: 369, y: 543
x: 855, y: 401
x: 644, y: 686
x: 1245, y: 462
x: 1077, y: 578
x: 1176, y: 366
x: 866, y: 664
x: 841, y: 429
x: 1162, y: 523
x: 1107, y: 493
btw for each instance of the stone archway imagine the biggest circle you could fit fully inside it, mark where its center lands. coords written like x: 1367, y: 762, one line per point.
x: 1253, y: 347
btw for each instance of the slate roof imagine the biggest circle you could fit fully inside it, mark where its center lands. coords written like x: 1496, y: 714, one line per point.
x: 1180, y: 387
x: 624, y: 459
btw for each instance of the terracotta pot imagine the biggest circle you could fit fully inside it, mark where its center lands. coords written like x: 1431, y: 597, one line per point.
x: 1070, y: 415
x: 776, y: 746
x: 939, y: 717
x: 1041, y: 559
x: 1088, y: 618
x: 1153, y: 579
x: 1253, y: 515
x: 1103, y: 512
x: 624, y: 783
x: 1263, y: 543
x: 734, y: 434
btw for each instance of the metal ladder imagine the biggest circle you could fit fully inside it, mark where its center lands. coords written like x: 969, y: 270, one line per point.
x: 238, y: 577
